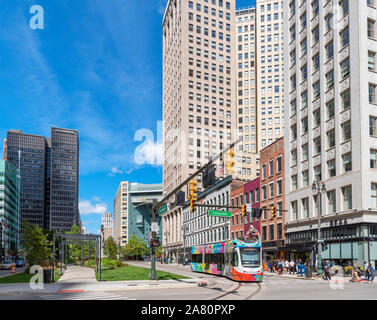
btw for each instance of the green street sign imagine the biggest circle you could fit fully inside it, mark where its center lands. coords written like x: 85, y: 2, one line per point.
x: 163, y: 209
x: 216, y: 213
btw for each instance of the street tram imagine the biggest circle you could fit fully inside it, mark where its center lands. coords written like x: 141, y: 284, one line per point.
x: 239, y: 259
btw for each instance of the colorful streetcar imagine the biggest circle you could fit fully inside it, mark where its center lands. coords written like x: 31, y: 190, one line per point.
x: 239, y: 259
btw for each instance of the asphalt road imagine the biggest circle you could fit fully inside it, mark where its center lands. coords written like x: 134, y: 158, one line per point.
x: 4, y: 273
x: 217, y: 289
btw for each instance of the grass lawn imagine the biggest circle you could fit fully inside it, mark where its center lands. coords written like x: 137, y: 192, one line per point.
x: 22, y: 278
x: 128, y: 273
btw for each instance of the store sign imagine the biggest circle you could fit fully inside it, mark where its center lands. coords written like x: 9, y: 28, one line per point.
x: 338, y: 222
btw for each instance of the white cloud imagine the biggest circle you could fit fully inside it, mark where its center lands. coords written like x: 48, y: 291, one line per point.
x: 114, y: 171
x: 86, y: 207
x: 149, y: 153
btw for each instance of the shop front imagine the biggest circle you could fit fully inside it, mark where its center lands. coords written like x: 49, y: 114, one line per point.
x: 342, y: 243
x: 273, y: 250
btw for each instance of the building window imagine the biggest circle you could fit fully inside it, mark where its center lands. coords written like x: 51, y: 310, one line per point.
x: 331, y: 168
x: 294, y: 210
x: 347, y: 197
x: 373, y: 158
x: 347, y: 162
x: 331, y: 198
x: 271, y: 232
x: 305, y: 206
x: 294, y: 182
x: 374, y: 195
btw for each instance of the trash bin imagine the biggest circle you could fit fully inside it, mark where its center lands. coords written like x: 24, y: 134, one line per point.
x: 308, y: 272
x: 47, y: 276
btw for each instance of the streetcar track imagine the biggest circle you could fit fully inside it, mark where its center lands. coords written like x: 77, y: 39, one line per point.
x: 253, y: 294
x: 229, y: 292
x: 235, y: 290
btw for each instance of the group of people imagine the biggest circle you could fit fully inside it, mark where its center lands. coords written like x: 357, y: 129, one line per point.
x: 293, y: 266
x: 358, y: 272
x: 298, y: 267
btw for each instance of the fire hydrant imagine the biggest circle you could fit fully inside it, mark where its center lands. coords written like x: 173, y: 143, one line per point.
x: 279, y: 271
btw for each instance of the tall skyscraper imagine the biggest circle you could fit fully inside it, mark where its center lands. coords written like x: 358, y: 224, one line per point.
x: 330, y: 127
x: 259, y: 35
x: 199, y: 93
x: 120, y: 230
x: 49, y: 176
x: 9, y: 208
x: 64, y: 162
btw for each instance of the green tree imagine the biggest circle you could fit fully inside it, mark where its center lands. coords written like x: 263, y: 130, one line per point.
x: 35, y: 245
x: 135, y: 247
x: 110, y: 248
x: 74, y: 251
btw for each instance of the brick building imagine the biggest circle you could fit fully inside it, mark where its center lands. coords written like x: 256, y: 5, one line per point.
x: 272, y: 195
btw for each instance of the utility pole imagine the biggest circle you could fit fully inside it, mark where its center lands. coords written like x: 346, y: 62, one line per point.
x: 153, y: 249
x: 319, y: 187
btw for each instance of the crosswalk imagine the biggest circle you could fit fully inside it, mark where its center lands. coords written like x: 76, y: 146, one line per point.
x: 85, y: 296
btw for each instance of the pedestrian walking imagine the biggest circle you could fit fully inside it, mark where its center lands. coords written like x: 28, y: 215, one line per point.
x: 292, y: 267
x: 370, y: 272
x: 327, y: 270
x: 286, y: 266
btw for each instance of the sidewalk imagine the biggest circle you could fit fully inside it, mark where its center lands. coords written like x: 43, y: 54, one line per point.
x: 291, y: 276
x: 81, y: 279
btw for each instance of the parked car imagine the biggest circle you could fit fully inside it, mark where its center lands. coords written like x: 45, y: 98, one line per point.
x: 20, y: 263
x: 7, y: 265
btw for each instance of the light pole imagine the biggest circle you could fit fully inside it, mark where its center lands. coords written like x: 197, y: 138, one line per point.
x: 318, y: 188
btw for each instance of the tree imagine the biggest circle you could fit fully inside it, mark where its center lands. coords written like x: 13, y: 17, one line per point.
x: 110, y: 248
x: 74, y: 251
x: 35, y: 245
x: 135, y: 247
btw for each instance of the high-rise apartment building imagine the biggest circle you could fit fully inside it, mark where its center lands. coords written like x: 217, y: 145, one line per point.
x: 49, y: 176
x: 270, y: 72
x: 259, y: 36
x: 199, y: 91
x: 107, y: 223
x: 248, y: 159
x: 330, y: 127
x: 9, y: 208
x: 120, y: 229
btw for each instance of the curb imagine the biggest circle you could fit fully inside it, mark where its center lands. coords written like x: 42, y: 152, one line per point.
x: 288, y: 277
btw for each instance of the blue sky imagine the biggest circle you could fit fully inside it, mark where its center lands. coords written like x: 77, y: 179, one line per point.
x: 95, y: 67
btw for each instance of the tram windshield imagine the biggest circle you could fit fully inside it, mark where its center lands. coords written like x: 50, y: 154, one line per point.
x: 250, y: 257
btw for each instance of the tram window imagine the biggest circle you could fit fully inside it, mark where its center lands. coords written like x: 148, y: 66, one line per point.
x: 235, y: 259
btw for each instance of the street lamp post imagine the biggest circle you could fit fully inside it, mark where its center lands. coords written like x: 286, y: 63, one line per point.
x: 318, y: 188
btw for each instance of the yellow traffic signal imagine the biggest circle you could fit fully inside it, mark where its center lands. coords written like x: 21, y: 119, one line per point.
x: 193, y: 196
x: 273, y: 213
x: 229, y: 162
x: 243, y: 211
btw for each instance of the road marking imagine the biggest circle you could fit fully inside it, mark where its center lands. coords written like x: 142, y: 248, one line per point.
x: 85, y: 296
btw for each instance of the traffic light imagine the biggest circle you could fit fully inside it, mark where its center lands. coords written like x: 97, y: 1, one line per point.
x: 273, y: 213
x: 155, y: 243
x: 229, y: 162
x: 193, y: 194
x: 243, y: 211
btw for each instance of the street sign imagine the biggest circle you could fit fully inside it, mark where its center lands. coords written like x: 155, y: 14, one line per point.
x: 163, y: 209
x: 248, y: 207
x: 154, y: 227
x: 216, y: 213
